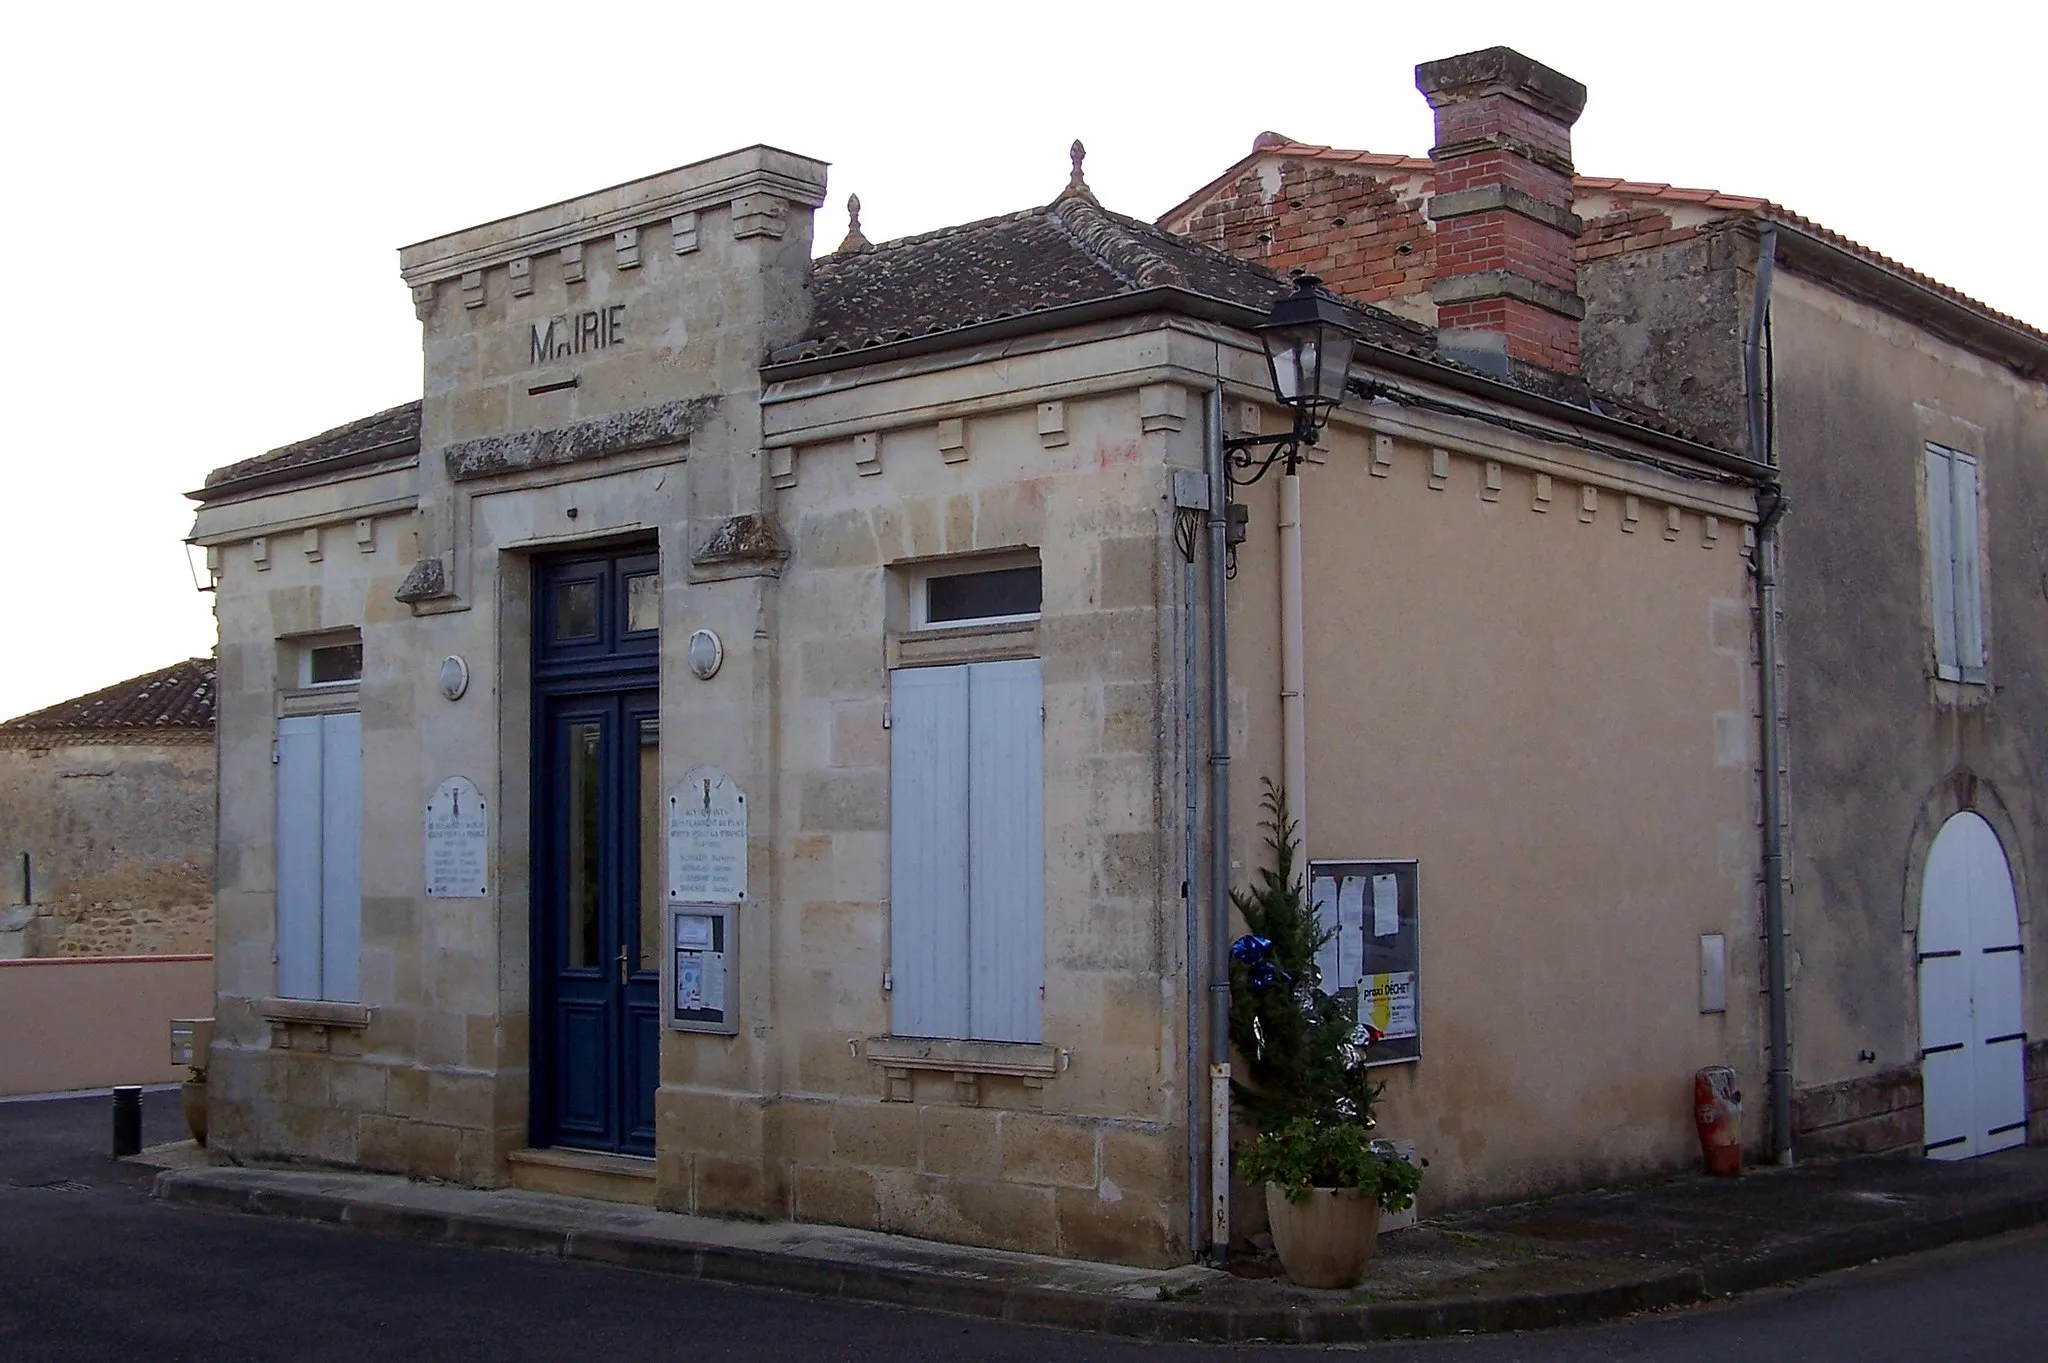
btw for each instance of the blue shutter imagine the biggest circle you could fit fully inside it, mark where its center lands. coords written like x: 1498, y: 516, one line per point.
x: 1968, y: 590
x: 298, y: 857
x: 928, y: 800
x: 1006, y: 849
x: 1941, y: 560
x: 341, y: 857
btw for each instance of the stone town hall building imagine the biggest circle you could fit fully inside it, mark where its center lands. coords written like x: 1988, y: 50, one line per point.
x: 739, y: 740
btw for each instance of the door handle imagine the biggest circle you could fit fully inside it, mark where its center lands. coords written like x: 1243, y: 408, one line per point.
x: 622, y: 965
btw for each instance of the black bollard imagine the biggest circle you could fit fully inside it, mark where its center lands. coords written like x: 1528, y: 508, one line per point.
x: 127, y: 1120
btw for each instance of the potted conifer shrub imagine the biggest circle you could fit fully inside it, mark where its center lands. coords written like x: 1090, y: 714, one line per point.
x: 1309, y: 1095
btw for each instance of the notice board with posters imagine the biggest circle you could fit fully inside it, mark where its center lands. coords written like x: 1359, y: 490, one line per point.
x: 1373, y: 958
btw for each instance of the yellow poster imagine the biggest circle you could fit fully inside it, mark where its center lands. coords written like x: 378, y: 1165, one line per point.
x: 1386, y: 1003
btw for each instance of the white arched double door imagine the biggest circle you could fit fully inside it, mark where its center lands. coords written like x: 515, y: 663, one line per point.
x: 1973, y: 1038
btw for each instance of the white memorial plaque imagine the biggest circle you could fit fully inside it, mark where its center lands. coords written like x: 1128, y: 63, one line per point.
x: 707, y: 840
x: 458, y: 842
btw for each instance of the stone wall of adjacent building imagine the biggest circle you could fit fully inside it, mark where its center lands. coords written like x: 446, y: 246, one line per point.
x: 106, y: 846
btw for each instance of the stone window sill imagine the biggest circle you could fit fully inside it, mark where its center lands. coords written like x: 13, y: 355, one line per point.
x: 967, y: 1061
x: 940, y: 644
x: 316, y: 1016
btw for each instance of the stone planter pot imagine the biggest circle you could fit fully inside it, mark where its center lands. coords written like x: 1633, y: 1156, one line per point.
x: 193, y: 1096
x: 1327, y: 1240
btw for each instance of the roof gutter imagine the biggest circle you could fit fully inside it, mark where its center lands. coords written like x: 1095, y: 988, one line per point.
x: 1201, y: 307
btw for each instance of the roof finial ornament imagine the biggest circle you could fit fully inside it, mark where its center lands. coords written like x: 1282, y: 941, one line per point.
x: 1077, y: 183
x: 855, y: 239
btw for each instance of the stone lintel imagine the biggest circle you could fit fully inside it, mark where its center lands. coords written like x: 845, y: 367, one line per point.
x: 1502, y: 71
x: 666, y: 423
x: 1503, y: 198
x: 1468, y: 288
x: 758, y: 171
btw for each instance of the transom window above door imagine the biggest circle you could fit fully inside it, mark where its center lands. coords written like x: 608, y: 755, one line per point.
x: 979, y: 591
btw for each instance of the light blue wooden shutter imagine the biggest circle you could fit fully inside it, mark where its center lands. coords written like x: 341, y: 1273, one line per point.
x: 341, y: 856
x: 928, y: 803
x: 1006, y: 849
x: 299, y: 749
x: 1941, y: 557
x: 1969, y: 595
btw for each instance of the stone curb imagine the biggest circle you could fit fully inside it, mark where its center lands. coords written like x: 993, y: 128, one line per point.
x: 1661, y: 1286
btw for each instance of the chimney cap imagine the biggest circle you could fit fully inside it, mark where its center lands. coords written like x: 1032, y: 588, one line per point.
x: 1502, y: 70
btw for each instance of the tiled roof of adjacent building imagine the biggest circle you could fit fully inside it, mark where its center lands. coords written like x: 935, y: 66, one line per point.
x: 1070, y: 251
x: 174, y: 699
x: 391, y: 433
x: 1284, y: 148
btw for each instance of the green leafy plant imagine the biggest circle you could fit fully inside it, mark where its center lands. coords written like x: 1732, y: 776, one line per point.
x: 1294, y: 1039
x: 1308, y: 1154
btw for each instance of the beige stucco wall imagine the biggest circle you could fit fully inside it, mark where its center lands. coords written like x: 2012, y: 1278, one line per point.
x: 91, y: 1023
x: 1551, y: 709
x: 1883, y: 753
x: 119, y: 839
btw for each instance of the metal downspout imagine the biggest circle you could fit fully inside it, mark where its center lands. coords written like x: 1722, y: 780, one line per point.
x: 1219, y: 833
x: 1293, y: 700
x: 1778, y: 983
x: 1190, y: 895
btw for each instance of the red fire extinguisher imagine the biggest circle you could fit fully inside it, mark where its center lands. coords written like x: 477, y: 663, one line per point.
x: 1717, y: 1112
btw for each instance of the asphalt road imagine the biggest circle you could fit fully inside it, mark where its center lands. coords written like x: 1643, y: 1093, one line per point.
x: 90, y: 1268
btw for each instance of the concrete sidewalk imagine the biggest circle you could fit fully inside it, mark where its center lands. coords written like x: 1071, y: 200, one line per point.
x: 1568, y: 1259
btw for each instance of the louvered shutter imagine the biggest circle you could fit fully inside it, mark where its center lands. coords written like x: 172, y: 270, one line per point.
x: 299, y: 751
x: 928, y: 831
x: 1006, y: 849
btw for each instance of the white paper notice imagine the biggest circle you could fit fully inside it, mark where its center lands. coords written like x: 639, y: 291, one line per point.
x: 1322, y: 895
x: 689, y: 983
x: 714, y: 981
x: 1350, y: 929
x: 693, y: 932
x: 1386, y: 906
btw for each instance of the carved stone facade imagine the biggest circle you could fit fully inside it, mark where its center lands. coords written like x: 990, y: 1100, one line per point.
x: 1506, y: 620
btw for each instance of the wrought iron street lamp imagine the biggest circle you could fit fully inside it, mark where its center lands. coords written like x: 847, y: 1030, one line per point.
x: 1308, y: 343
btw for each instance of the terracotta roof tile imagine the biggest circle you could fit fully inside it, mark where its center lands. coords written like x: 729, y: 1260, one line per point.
x: 1637, y: 189
x: 178, y: 697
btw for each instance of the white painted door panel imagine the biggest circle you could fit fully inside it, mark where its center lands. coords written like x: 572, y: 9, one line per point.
x: 1972, y: 1007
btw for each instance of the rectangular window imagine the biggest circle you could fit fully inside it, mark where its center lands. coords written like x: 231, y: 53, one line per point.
x: 319, y: 856
x: 1953, y: 567
x: 967, y: 850
x: 994, y: 590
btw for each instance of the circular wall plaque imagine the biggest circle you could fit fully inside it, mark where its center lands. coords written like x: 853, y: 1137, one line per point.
x: 454, y: 677
x: 705, y: 654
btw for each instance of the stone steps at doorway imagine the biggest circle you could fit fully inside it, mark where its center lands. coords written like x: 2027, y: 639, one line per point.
x: 584, y: 1173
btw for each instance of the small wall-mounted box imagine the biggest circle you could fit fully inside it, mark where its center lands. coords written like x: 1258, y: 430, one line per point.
x: 191, y: 1039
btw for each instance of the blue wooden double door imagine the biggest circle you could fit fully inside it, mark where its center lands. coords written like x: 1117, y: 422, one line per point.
x: 597, y: 865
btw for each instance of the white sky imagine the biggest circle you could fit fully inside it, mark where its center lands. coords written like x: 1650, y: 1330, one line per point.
x: 206, y: 198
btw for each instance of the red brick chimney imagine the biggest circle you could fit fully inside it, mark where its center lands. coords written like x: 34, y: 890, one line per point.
x: 1506, y: 288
